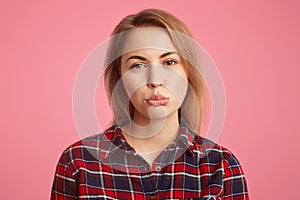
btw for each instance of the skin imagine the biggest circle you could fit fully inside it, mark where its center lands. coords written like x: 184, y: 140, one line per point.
x: 149, y: 74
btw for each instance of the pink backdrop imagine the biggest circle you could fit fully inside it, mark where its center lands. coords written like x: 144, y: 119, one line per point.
x: 255, y: 46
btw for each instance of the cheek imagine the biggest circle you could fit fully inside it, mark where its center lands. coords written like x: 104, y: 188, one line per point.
x: 177, y: 83
x: 133, y: 81
x: 138, y: 100
x: 137, y: 96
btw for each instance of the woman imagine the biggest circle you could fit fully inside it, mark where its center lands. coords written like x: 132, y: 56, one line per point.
x: 152, y: 149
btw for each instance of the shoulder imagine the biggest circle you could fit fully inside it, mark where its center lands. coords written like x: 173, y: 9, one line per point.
x: 213, y: 152
x: 88, y: 149
x: 216, y: 159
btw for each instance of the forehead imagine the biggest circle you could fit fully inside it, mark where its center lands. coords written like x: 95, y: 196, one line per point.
x: 148, y: 38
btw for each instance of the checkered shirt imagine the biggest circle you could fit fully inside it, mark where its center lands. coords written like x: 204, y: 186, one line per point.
x: 105, y: 166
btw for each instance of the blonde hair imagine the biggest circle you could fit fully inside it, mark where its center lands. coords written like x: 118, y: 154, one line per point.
x: 192, y: 108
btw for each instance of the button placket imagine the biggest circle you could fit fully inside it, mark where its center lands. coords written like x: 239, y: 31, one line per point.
x: 153, y: 197
x: 157, y: 168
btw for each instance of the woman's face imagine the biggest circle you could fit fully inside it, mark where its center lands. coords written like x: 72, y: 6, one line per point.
x: 153, y: 74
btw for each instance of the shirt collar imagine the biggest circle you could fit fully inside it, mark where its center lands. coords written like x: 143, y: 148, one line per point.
x: 185, y: 138
x: 114, y: 135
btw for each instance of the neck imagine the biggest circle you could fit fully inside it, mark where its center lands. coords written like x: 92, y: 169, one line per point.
x: 150, y: 137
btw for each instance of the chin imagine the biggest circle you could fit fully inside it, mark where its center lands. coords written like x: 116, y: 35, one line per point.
x: 160, y: 112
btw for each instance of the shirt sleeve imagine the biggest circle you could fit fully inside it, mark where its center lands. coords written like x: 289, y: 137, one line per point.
x: 65, y: 185
x: 235, y: 187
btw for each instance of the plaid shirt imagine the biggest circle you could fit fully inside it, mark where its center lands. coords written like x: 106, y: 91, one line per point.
x: 105, y: 166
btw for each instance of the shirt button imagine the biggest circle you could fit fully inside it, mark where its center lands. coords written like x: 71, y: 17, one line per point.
x: 153, y: 197
x: 157, y: 168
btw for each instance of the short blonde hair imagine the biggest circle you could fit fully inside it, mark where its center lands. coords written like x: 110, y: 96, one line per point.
x: 192, y: 108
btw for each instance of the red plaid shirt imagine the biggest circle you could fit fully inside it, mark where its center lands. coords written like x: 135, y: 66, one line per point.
x: 105, y: 166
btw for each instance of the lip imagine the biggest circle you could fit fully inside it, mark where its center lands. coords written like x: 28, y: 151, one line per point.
x: 157, y: 100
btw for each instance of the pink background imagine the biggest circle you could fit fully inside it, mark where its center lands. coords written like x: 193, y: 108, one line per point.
x: 255, y: 46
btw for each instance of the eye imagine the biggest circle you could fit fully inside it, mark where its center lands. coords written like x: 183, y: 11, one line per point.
x: 170, y: 62
x: 137, y: 66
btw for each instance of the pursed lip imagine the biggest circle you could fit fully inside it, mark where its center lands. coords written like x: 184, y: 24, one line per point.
x: 157, y: 100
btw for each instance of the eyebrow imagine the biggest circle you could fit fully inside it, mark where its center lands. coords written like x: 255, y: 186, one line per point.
x: 144, y: 59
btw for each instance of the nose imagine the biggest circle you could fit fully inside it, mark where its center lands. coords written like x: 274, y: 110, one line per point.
x: 156, y: 76
x: 154, y: 85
